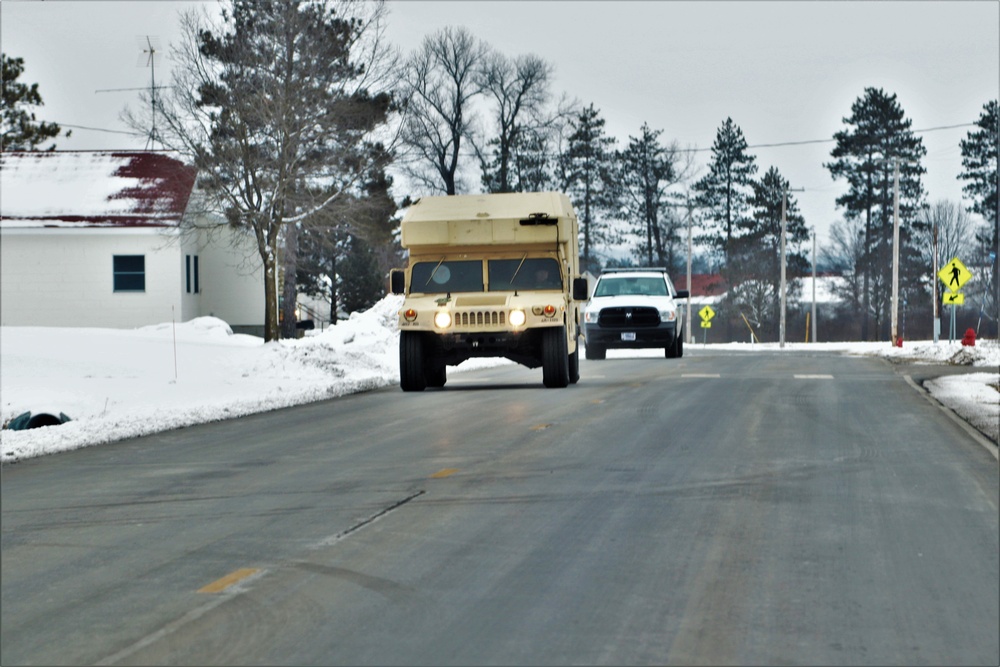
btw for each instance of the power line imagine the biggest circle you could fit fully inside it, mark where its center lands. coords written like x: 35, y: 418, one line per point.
x: 95, y: 129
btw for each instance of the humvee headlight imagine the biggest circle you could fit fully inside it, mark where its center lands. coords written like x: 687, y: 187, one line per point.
x: 517, y: 318
x: 409, y: 315
x: 442, y: 319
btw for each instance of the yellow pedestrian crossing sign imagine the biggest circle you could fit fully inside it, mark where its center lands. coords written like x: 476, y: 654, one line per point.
x: 706, y: 314
x: 954, y: 275
x: 705, y: 324
x: 953, y: 298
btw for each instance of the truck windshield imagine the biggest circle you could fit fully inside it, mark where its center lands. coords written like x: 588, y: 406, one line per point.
x: 631, y: 285
x: 447, y: 276
x: 532, y: 273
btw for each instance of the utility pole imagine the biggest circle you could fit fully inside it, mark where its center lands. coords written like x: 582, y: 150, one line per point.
x: 895, y: 254
x: 814, y: 289
x: 687, y: 318
x: 934, y: 271
x: 784, y: 205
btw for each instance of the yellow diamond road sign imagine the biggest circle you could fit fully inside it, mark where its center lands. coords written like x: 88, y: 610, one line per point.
x: 706, y: 313
x: 953, y: 299
x: 954, y: 275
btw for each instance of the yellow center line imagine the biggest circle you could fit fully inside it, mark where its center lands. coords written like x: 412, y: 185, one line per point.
x: 444, y: 473
x: 540, y: 427
x: 220, y: 585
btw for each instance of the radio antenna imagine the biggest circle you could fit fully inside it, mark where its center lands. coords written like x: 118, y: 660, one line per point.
x: 150, y: 47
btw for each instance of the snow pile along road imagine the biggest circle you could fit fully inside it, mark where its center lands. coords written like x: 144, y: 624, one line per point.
x: 115, y: 384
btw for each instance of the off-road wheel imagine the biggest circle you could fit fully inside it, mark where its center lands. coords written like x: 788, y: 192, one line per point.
x: 411, y: 361
x: 436, y: 375
x: 555, y: 358
x: 574, y: 365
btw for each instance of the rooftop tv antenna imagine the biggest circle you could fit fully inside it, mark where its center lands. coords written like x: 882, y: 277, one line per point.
x: 150, y: 54
x: 150, y: 47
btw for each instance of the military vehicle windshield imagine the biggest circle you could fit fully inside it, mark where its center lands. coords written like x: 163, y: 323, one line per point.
x: 528, y: 273
x: 447, y: 276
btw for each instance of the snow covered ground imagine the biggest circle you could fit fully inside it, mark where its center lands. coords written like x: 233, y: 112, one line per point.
x: 115, y: 384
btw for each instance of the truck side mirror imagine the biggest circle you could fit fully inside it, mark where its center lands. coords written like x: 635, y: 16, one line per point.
x: 682, y: 294
x: 397, y: 281
x: 581, y: 291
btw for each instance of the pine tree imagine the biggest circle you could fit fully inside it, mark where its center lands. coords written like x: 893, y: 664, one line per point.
x: 877, y: 140
x: 646, y: 170
x: 20, y: 130
x: 588, y: 169
x: 979, y: 159
x: 754, y: 272
x: 347, y: 249
x: 724, y: 193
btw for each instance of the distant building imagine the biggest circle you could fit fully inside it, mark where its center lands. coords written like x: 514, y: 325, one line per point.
x: 95, y: 239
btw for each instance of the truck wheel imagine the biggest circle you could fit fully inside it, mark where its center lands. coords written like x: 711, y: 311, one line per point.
x: 436, y: 375
x: 574, y: 366
x: 671, y: 350
x: 596, y: 351
x: 411, y: 361
x: 555, y: 357
x: 680, y: 346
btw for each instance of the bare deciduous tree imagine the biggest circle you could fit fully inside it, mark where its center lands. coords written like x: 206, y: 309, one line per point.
x: 444, y: 77
x: 519, y: 89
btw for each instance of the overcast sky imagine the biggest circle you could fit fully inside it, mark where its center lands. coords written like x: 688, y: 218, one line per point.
x: 783, y: 71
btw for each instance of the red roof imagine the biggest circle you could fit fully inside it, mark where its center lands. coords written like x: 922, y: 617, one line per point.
x: 93, y: 189
x: 702, y: 284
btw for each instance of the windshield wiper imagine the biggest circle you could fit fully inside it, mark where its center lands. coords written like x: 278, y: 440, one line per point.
x: 431, y: 277
x: 518, y: 269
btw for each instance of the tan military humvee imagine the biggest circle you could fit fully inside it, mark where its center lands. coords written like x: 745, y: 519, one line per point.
x: 492, y: 275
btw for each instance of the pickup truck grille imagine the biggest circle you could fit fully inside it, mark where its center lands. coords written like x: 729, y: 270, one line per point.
x: 629, y: 317
x: 481, y: 318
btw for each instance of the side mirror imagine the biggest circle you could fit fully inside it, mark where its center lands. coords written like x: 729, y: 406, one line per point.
x: 397, y: 281
x: 581, y: 291
x: 682, y: 294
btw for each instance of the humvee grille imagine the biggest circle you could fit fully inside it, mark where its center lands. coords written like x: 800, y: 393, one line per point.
x: 481, y: 318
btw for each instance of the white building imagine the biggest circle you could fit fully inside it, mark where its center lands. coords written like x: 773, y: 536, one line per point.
x: 95, y: 239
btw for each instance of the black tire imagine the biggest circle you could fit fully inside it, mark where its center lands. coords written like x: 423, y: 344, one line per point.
x: 437, y: 376
x: 555, y: 358
x: 411, y: 361
x: 670, y: 351
x: 680, y: 346
x: 596, y: 351
x: 574, y: 365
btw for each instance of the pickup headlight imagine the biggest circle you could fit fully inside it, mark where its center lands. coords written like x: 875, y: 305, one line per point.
x: 668, y: 315
x: 590, y: 316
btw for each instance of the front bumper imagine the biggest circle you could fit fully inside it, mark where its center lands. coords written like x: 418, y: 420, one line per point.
x: 637, y: 337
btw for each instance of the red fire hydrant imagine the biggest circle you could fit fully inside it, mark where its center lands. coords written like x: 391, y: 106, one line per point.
x: 969, y: 338
x: 899, y: 341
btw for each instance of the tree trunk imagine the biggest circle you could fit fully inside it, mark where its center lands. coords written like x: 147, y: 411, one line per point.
x: 289, y: 291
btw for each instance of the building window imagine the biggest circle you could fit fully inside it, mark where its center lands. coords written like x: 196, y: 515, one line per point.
x: 130, y: 273
x: 191, y: 274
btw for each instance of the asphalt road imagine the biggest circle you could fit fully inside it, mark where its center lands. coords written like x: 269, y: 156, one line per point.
x: 777, y: 508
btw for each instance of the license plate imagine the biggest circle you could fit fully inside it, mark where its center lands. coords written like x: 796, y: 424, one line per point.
x: 629, y: 336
